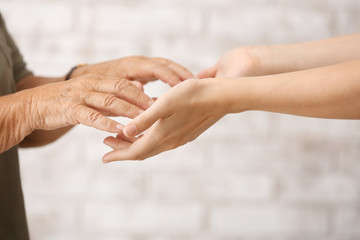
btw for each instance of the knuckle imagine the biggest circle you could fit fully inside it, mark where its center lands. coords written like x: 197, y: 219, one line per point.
x: 120, y: 84
x: 91, y: 80
x: 73, y: 115
x: 140, y: 97
x: 84, y: 95
x: 86, y: 83
x: 129, y: 110
x: 94, y: 117
x: 110, y: 101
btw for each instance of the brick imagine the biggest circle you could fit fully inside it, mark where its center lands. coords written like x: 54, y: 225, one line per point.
x: 214, y: 186
x: 317, y: 128
x: 347, y: 222
x: 114, y: 19
x: 349, y: 159
x: 235, y: 187
x: 249, y: 155
x: 190, y: 158
x: 235, y: 220
x: 239, y: 126
x: 55, y: 218
x: 331, y: 188
x: 144, y: 218
x: 273, y: 24
x: 58, y: 17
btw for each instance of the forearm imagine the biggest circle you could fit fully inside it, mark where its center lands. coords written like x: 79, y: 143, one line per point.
x: 40, y: 137
x: 327, y: 92
x: 32, y: 81
x: 15, y: 119
x: 274, y: 59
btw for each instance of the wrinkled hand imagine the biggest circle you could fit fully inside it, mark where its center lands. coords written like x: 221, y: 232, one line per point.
x: 177, y: 117
x: 85, y: 100
x: 140, y: 68
x: 238, y: 62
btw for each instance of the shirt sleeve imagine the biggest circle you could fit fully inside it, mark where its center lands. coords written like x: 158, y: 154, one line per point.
x: 19, y: 66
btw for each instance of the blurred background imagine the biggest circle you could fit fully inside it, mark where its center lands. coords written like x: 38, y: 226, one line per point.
x: 252, y: 176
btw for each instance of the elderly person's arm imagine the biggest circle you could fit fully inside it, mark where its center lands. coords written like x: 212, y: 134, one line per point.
x: 15, y: 120
x: 86, y: 100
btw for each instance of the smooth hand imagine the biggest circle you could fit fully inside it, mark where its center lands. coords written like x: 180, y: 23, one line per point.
x: 140, y: 68
x: 177, y: 117
x: 85, y: 100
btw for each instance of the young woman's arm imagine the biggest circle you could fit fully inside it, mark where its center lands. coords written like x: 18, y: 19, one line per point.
x: 275, y: 59
x: 187, y: 110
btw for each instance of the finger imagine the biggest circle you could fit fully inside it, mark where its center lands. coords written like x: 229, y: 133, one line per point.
x: 121, y: 136
x: 136, y: 151
x: 123, y: 89
x: 183, y: 72
x: 165, y: 74
x: 111, y: 105
x: 92, y: 118
x: 208, y: 73
x: 139, y: 85
x: 144, y: 121
x: 116, y: 143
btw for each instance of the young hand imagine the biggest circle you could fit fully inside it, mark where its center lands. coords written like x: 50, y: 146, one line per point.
x: 177, y: 117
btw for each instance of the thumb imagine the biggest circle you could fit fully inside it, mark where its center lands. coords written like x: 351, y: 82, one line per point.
x: 208, y: 73
x: 143, y: 121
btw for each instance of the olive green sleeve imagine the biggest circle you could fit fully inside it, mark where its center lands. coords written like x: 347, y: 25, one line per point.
x: 18, y: 66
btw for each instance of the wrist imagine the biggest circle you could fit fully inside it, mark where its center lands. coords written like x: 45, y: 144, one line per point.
x: 25, y: 108
x: 276, y: 59
x: 77, y: 71
x: 226, y: 95
x: 264, y: 58
x: 238, y: 94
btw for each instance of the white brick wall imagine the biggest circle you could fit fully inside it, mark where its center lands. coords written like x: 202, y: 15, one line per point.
x: 252, y: 176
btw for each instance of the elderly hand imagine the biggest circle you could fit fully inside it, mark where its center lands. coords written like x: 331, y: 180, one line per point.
x: 85, y: 100
x: 177, y: 117
x: 139, y: 68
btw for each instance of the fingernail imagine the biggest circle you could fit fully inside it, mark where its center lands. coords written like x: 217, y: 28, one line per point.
x: 120, y: 126
x: 130, y: 130
x: 141, y: 111
x: 151, y: 102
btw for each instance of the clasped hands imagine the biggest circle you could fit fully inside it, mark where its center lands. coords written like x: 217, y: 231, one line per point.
x: 181, y: 114
x: 314, y: 79
x: 115, y: 88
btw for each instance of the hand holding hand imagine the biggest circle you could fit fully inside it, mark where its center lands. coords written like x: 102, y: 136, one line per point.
x: 177, y: 117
